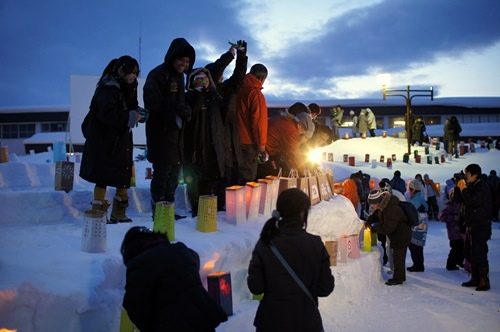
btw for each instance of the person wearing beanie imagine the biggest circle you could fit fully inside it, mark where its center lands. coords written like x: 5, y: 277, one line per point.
x: 389, y: 218
x: 417, y: 250
x: 284, y: 136
x: 168, y: 113
x: 474, y: 195
x: 355, y: 124
x: 285, y: 234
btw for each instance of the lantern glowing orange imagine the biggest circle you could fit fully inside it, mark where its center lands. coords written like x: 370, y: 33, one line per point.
x: 219, y: 287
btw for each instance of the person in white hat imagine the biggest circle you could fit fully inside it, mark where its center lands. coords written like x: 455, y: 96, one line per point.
x: 355, y: 124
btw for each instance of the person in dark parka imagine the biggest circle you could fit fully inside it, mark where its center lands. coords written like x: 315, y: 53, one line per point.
x: 163, y: 290
x: 388, y: 218
x: 285, y: 306
x: 164, y: 97
x: 107, y: 153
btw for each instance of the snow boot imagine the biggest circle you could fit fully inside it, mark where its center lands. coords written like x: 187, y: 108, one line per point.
x: 484, y: 279
x: 118, y: 210
x: 474, y: 277
x: 101, y: 205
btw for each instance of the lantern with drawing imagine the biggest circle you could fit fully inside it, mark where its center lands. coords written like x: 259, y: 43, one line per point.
x: 219, y: 287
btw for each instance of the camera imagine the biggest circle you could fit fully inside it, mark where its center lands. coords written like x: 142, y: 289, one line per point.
x: 144, y: 112
x: 459, y: 176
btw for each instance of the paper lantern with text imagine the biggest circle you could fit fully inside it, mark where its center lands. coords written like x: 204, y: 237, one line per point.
x: 266, y: 188
x: 164, y: 221
x: 332, y: 249
x: 207, y: 214
x: 252, y: 194
x: 94, y: 236
x: 236, y: 208
x: 219, y: 287
x: 64, y: 176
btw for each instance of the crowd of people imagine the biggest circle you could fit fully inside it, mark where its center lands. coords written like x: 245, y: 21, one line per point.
x: 217, y: 133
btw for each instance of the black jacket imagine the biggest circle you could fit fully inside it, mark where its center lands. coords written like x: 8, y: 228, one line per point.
x: 163, y: 92
x: 107, y: 153
x: 476, y: 204
x: 164, y: 292
x: 285, y: 306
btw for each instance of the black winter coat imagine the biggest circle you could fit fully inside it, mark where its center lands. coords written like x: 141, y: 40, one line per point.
x: 163, y: 93
x: 164, y: 292
x: 107, y: 153
x: 476, y: 204
x: 285, y: 306
x: 393, y: 222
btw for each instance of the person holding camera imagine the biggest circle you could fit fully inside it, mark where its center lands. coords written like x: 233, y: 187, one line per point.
x: 164, y: 97
x: 474, y: 195
x: 107, y: 128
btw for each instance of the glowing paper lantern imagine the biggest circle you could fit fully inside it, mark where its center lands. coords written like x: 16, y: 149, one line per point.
x: 164, y: 221
x: 266, y: 186
x: 207, y: 214
x: 64, y: 175
x: 384, y: 134
x: 346, y: 157
x: 252, y: 193
x: 236, y: 208
x: 94, y: 236
x: 330, y: 157
x: 353, y: 247
x: 367, y: 158
x: 351, y: 161
x: 219, y: 287
x: 389, y: 162
x: 343, y: 250
x: 275, y: 189
x: 332, y: 249
x: 149, y: 173
x: 346, y: 135
x: 381, y: 159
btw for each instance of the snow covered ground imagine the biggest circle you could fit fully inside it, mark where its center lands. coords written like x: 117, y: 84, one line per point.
x: 47, y: 283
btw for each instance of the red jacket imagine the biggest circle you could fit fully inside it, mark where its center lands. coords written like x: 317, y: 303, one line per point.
x: 251, y: 112
x: 283, y: 138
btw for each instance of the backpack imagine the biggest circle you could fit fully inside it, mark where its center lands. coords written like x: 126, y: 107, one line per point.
x: 411, y: 213
x: 363, y: 184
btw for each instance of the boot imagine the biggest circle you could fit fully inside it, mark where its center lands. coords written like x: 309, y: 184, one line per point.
x: 101, y: 205
x: 474, y: 277
x: 484, y: 279
x: 118, y: 210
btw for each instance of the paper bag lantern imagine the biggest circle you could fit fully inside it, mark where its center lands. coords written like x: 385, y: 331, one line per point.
x: 303, y: 184
x: 275, y: 190
x: 330, y: 157
x: 367, y: 240
x: 393, y: 157
x: 207, y: 214
x: 149, y: 173
x: 343, y: 250
x: 346, y: 135
x: 367, y: 158
x: 429, y: 160
x: 443, y: 159
x: 382, y: 159
x: 64, y: 175
x: 345, y: 158
x: 426, y: 150
x: 332, y: 249
x: 4, y: 156
x: 314, y: 190
x: 252, y: 193
x: 94, y: 237
x: 418, y: 159
x: 363, y: 135
x: 266, y: 187
x: 126, y: 324
x: 352, y: 161
x: 236, y: 208
x: 415, y: 153
x: 436, y: 160
x: 323, y: 184
x: 389, y: 162
x: 164, y: 221
x: 219, y: 287
x: 406, y: 158
x: 323, y: 155
x: 384, y: 134
x: 353, y: 247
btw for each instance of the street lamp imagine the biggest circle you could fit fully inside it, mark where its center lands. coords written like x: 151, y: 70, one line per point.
x: 408, y: 97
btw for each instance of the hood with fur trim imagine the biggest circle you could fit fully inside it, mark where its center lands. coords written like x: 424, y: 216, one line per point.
x: 193, y: 73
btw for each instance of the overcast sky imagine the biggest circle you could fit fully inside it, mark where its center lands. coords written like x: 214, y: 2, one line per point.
x: 315, y: 49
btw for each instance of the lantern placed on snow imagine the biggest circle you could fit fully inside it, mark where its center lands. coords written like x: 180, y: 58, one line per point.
x: 351, y: 161
x: 426, y: 149
x: 389, y: 162
x: 367, y: 240
x: 381, y: 159
x: 346, y: 135
x: 443, y: 159
x: 236, y: 208
x: 164, y: 221
x: 219, y: 287
x: 472, y: 147
x: 4, y: 156
x: 252, y: 193
x: 384, y: 134
x: 367, y: 158
x: 275, y: 189
x: 323, y: 155
x: 363, y: 135
x: 343, y: 249
x: 149, y: 173
x: 266, y: 194
x: 346, y: 157
x: 330, y: 157
x: 406, y: 158
x: 418, y: 159
x: 436, y: 160
x: 393, y: 157
x: 353, y: 247
x: 332, y: 249
x: 94, y: 236
x: 207, y: 214
x: 415, y: 153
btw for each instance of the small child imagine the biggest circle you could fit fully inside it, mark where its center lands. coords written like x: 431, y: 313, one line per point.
x: 450, y: 215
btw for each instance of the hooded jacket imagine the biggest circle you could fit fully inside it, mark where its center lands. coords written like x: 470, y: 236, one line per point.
x: 163, y: 93
x: 107, y: 154
x: 393, y: 222
x: 251, y: 112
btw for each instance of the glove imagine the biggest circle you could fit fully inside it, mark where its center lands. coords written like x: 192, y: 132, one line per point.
x: 461, y: 185
x: 241, y: 49
x: 184, y: 111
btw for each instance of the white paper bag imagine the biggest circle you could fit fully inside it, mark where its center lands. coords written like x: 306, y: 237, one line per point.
x: 94, y: 238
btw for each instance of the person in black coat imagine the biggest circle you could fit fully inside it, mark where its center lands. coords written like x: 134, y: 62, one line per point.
x: 107, y: 153
x: 418, y: 131
x: 285, y: 306
x: 388, y: 218
x: 475, y: 196
x: 210, y: 133
x: 164, y: 97
x: 163, y: 290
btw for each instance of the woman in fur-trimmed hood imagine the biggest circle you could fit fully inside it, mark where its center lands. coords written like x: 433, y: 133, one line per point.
x: 388, y: 218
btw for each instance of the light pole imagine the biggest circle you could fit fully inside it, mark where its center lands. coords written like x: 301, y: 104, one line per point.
x: 408, y: 97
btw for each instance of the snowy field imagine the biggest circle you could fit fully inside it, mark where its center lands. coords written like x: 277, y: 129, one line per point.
x: 47, y: 283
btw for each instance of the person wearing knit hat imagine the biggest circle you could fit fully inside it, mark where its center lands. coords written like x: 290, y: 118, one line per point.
x: 416, y: 250
x: 306, y: 122
x: 389, y: 218
x: 355, y: 124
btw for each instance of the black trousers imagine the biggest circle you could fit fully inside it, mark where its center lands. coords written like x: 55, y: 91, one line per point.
x: 399, y: 257
x: 417, y: 255
x: 456, y: 255
x: 476, y: 244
